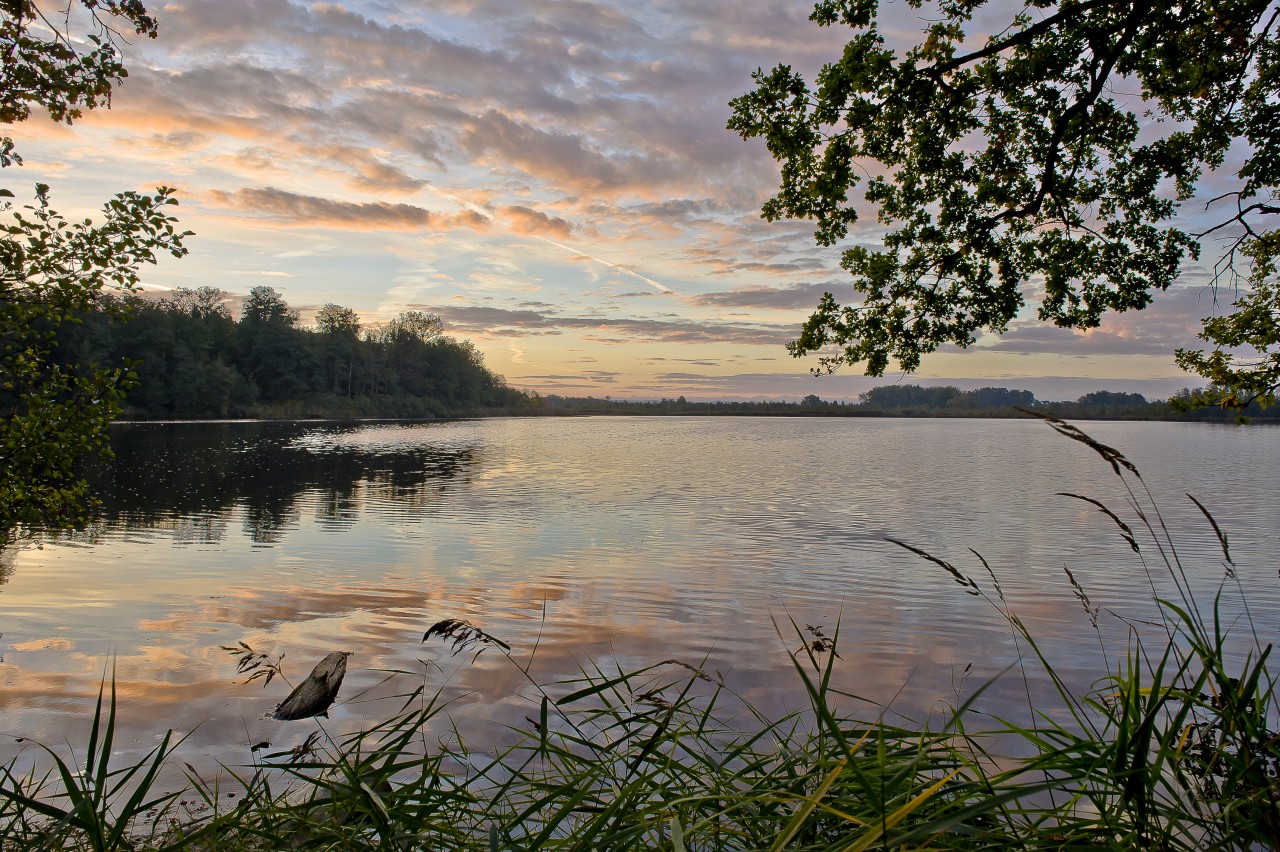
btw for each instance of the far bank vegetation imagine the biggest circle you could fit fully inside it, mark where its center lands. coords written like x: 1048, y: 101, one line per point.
x: 193, y: 357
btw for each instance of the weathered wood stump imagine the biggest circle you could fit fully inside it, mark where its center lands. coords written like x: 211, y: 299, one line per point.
x: 314, y: 695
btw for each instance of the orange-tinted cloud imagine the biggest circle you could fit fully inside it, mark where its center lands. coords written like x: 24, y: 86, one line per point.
x: 524, y: 220
x: 311, y: 211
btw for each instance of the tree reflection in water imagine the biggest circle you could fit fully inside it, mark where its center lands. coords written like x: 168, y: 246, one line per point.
x: 189, y: 478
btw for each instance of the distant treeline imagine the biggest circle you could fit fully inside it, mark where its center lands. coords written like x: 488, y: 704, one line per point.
x: 899, y: 400
x: 194, y: 360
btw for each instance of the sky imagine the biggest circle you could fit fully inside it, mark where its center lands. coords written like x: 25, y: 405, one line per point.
x: 552, y: 177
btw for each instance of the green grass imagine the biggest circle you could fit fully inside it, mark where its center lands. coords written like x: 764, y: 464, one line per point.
x: 1174, y: 748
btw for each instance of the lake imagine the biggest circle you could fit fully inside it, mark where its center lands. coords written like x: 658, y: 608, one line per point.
x: 601, y: 541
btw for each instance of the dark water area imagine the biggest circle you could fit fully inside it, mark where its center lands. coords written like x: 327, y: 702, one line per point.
x: 263, y: 470
x: 602, y: 542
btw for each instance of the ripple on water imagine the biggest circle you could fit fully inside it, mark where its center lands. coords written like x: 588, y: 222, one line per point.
x: 607, y: 541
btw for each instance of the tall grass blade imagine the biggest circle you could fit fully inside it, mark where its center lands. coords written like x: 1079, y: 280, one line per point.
x: 892, y: 820
x: 1126, y: 531
x: 810, y: 802
x: 1111, y: 455
x: 971, y: 588
x: 1217, y: 530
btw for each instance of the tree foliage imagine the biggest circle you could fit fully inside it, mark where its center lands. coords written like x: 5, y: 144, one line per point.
x: 1244, y: 366
x: 413, y: 326
x: 339, y: 322
x: 1049, y: 158
x: 341, y: 329
x: 193, y: 360
x: 55, y: 406
x: 56, y: 413
x: 45, y: 68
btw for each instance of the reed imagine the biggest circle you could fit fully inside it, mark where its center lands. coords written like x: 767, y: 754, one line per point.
x: 1175, y: 748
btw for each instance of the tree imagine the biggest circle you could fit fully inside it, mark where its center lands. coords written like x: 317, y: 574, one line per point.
x: 340, y: 328
x: 202, y: 303
x: 264, y: 306
x: 182, y: 346
x: 406, y: 341
x: 270, y: 351
x: 56, y: 412
x: 908, y: 397
x: 1053, y: 155
x: 338, y: 321
x: 993, y: 399
x: 1111, y: 399
x: 415, y: 325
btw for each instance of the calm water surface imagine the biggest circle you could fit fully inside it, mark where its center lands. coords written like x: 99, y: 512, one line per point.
x: 597, y: 541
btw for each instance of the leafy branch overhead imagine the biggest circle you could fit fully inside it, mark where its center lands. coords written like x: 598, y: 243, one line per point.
x: 1048, y: 161
x: 49, y: 67
x: 1253, y: 329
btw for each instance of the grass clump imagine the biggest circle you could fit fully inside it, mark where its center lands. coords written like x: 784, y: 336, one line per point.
x: 1174, y: 748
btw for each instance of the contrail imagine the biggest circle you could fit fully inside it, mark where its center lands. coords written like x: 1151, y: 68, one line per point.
x: 462, y: 202
x: 609, y: 264
x: 475, y: 208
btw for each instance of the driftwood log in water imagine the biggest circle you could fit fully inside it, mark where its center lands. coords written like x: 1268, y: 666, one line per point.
x: 313, y: 696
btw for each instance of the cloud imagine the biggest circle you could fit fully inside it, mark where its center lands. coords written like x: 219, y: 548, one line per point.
x: 845, y: 387
x: 181, y: 140
x: 782, y: 298
x: 473, y: 319
x: 523, y: 220
x: 581, y: 97
x: 369, y: 172
x: 308, y: 210
x: 563, y: 156
x: 1169, y: 322
x: 54, y: 644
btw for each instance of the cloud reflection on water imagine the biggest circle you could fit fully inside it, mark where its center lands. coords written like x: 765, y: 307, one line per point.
x: 640, y: 541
